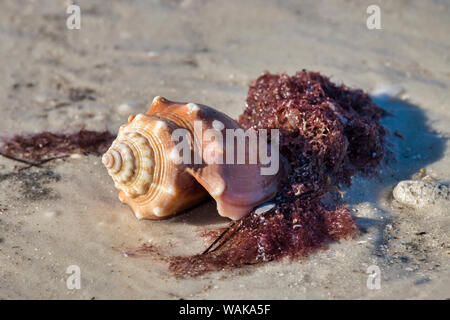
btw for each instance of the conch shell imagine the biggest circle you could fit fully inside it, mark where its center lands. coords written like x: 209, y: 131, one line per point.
x: 142, y: 163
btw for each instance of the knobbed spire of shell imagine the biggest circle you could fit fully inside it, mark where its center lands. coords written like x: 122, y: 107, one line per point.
x: 141, y: 164
x: 138, y: 162
x: 112, y: 160
x: 130, y: 162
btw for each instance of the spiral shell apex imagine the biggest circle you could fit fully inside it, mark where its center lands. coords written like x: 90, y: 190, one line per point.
x: 143, y: 164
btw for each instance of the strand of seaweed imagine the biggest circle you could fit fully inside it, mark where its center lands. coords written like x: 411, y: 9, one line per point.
x: 36, y: 149
x: 328, y: 133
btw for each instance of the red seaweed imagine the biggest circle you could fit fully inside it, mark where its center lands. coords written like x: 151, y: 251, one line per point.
x: 328, y: 133
x: 43, y: 146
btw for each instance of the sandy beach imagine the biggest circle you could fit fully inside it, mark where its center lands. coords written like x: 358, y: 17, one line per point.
x: 66, y: 213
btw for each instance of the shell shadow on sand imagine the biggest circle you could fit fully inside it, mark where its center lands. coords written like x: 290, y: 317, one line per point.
x: 414, y: 145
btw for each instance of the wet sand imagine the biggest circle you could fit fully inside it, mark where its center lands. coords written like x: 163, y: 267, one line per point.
x: 127, y: 52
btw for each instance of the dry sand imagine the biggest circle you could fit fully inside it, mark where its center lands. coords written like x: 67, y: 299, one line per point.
x: 207, y: 52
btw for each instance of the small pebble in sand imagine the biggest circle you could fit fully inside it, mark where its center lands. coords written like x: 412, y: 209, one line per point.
x: 41, y: 99
x: 420, y: 194
x: 99, y: 117
x: 51, y: 213
x: 152, y: 54
x: 125, y: 108
x: 76, y: 156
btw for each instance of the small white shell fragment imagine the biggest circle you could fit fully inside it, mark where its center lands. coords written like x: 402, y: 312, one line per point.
x: 420, y: 194
x: 99, y: 117
x: 125, y: 108
x: 264, y: 207
x: 76, y: 156
x: 152, y: 54
x: 41, y: 99
x: 51, y: 214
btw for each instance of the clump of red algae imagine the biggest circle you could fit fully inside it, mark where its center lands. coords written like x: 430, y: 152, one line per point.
x: 328, y: 133
x: 44, y: 146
